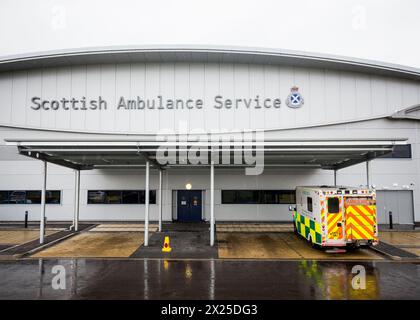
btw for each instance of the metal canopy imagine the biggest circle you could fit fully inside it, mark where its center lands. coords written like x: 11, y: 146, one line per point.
x: 327, y: 154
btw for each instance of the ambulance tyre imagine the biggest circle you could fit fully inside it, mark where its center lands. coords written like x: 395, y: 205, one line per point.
x: 310, y: 241
x: 351, y: 247
x: 294, y: 228
x: 313, y: 244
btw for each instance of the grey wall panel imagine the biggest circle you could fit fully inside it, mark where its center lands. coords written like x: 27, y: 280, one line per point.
x: 93, y: 87
x: 330, y: 96
x: 347, y: 96
x: 242, y: 84
x: 400, y: 203
x: 227, y: 89
x: 108, y: 84
x: 33, y: 118
x: 182, y: 89
x: 394, y: 97
x: 316, y: 95
x: 288, y: 115
x: 197, y: 86
x: 19, y: 97
x: 122, y: 86
x: 78, y: 90
x: 64, y: 89
x: 363, y: 96
x: 271, y: 89
x: 212, y: 84
x: 152, y: 90
x: 256, y: 88
x: 410, y: 94
x: 301, y: 80
x: 6, y: 87
x: 49, y: 91
x: 138, y: 84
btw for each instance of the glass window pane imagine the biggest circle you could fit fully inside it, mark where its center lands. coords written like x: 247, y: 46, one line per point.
x: 113, y: 197
x: 4, y: 197
x: 17, y: 197
x: 129, y: 197
x: 120, y: 197
x: 228, y: 196
x: 53, y: 197
x: 310, y: 206
x: 247, y: 196
x: 258, y: 196
x: 96, y: 196
x: 333, y: 205
x: 33, y: 197
x: 152, y: 196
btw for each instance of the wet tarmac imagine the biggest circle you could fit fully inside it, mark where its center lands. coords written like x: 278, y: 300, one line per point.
x: 207, y: 279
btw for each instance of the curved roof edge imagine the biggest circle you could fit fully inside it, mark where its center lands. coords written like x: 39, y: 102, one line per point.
x: 196, y: 53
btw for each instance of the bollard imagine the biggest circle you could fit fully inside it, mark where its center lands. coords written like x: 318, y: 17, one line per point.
x: 45, y: 223
x: 26, y: 219
x: 390, y: 220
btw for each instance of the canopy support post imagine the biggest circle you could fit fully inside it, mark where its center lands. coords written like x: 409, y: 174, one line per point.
x: 146, y: 207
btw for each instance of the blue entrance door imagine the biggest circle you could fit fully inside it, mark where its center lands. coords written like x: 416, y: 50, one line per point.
x: 189, y: 205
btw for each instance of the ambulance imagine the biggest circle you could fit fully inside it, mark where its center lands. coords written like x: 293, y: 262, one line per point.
x: 336, y: 217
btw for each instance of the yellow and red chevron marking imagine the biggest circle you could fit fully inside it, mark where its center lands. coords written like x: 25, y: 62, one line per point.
x: 334, y: 231
x: 360, y: 222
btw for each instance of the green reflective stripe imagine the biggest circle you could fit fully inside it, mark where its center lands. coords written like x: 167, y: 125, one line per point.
x: 306, y: 226
x: 312, y: 224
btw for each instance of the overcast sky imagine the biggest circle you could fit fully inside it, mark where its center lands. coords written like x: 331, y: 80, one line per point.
x: 374, y: 29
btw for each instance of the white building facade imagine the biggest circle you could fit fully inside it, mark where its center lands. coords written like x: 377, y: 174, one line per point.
x: 79, y: 110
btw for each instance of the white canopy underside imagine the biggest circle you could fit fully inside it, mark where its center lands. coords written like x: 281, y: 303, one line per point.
x: 101, y: 154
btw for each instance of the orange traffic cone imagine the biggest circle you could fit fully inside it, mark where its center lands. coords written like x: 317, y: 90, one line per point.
x: 166, y: 246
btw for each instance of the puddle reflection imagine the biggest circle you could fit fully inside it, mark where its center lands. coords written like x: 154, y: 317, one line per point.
x: 333, y: 280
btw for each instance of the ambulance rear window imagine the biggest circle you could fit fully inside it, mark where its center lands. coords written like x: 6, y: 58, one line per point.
x: 333, y: 205
x: 309, y: 204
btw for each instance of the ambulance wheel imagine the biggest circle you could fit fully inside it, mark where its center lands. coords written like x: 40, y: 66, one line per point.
x: 310, y: 241
x: 313, y: 245
x: 294, y: 228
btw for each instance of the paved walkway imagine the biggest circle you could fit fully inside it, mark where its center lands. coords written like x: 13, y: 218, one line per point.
x: 282, y: 245
x: 187, y: 240
x: 95, y: 244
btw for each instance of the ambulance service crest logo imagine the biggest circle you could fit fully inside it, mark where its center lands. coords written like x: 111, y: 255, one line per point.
x: 295, y: 98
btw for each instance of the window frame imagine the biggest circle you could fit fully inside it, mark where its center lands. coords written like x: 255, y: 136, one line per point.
x: 152, y: 196
x: 60, y: 192
x: 328, y: 205
x: 310, y: 201
x: 258, y: 196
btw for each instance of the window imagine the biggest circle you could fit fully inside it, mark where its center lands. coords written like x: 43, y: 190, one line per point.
x: 258, y: 197
x: 309, y: 204
x: 120, y: 197
x: 29, y: 197
x: 130, y: 196
x: 4, y: 197
x: 333, y: 205
x: 399, y: 152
